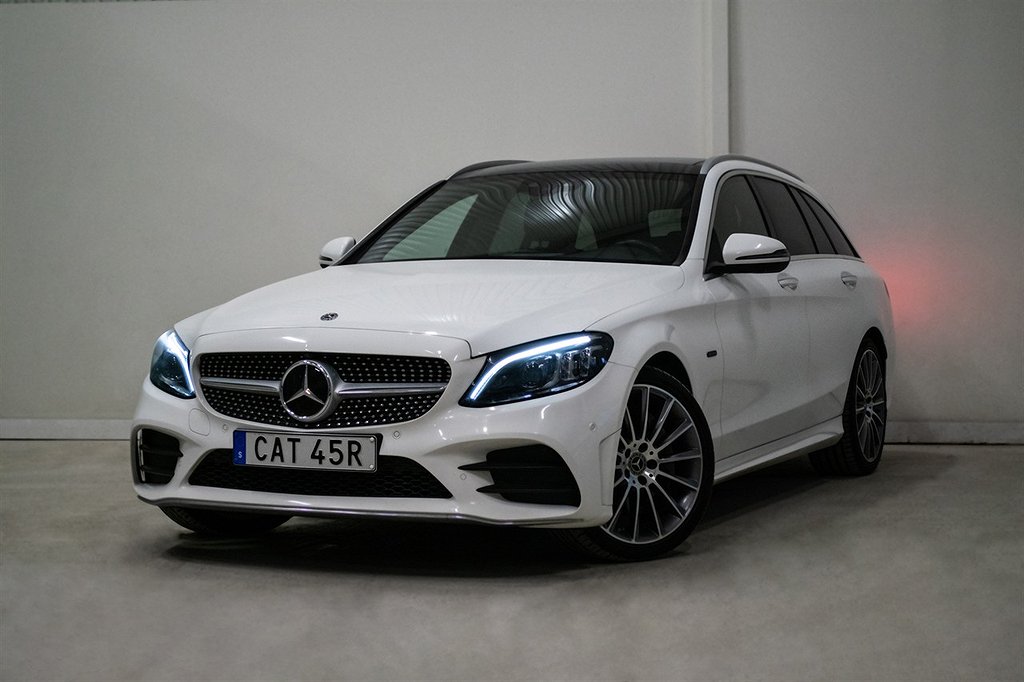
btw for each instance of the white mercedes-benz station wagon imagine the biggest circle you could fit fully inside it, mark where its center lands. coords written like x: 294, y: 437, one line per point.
x: 586, y: 346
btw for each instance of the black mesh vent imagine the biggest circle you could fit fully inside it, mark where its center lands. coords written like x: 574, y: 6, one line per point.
x: 395, y: 477
x: 532, y: 473
x: 352, y: 368
x: 157, y: 456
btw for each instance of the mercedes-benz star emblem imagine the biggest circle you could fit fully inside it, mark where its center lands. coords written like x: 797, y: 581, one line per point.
x: 307, y: 390
x: 327, y: 317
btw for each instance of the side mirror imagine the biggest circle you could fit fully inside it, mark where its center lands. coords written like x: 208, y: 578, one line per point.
x: 335, y: 250
x: 753, y: 253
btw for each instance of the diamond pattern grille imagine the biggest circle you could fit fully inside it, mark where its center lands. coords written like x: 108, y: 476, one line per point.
x: 352, y: 368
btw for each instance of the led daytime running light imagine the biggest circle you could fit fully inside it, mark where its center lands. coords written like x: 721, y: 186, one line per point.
x: 564, y: 344
x: 170, y: 344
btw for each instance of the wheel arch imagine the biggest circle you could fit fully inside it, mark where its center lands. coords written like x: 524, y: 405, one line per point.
x: 670, y: 363
x: 875, y: 335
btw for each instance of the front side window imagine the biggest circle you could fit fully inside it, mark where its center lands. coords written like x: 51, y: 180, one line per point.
x: 599, y: 216
x: 736, y: 211
x: 787, y: 222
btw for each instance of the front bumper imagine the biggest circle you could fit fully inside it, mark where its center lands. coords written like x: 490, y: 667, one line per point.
x: 581, y: 425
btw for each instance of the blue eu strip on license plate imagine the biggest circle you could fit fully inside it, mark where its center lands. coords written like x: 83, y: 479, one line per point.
x: 239, y: 448
x: 338, y: 452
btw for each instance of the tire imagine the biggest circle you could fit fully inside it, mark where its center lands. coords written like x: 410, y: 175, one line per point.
x: 216, y: 523
x: 663, y: 474
x: 859, y: 451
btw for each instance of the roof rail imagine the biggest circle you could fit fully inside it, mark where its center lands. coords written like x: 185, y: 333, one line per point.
x: 484, y: 164
x: 715, y: 160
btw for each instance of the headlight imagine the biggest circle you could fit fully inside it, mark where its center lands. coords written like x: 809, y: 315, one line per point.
x: 539, y: 369
x: 169, y: 370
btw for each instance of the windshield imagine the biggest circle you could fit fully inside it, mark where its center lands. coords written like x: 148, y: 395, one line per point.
x: 598, y: 216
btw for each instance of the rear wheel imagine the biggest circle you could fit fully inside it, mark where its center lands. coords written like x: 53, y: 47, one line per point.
x: 860, y: 449
x: 663, y: 474
x: 216, y: 523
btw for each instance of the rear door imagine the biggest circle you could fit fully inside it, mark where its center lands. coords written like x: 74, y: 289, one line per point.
x: 837, y: 312
x: 827, y: 283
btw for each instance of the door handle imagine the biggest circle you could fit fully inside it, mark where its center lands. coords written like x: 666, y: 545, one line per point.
x: 849, y: 279
x: 788, y: 282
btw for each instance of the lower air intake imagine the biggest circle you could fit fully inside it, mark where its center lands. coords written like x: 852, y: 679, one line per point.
x: 533, y: 473
x: 156, y: 457
x: 395, y: 477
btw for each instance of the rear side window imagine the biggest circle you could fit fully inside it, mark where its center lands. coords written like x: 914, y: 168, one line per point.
x: 736, y: 211
x: 786, y: 220
x: 817, y: 231
x: 835, y: 233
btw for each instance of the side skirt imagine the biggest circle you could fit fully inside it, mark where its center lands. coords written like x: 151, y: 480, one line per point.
x: 815, y: 438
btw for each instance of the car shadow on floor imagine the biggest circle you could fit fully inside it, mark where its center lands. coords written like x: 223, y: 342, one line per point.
x: 389, y: 547
x: 743, y: 495
x: 471, y: 550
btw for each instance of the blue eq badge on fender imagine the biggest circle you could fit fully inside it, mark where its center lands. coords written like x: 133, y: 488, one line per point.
x: 239, y: 448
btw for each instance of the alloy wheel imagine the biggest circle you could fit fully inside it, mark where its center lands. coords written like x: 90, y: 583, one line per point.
x: 869, y: 405
x: 658, y: 470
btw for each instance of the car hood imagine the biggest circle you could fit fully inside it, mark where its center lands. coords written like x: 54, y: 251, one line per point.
x: 490, y: 304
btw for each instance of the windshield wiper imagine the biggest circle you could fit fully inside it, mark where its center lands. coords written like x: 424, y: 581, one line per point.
x: 528, y: 253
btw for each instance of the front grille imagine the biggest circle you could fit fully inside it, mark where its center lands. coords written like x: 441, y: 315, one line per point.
x: 395, y: 477
x: 156, y: 457
x: 532, y: 473
x: 266, y: 408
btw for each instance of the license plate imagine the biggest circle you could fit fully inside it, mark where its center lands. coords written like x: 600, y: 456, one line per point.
x: 335, y: 452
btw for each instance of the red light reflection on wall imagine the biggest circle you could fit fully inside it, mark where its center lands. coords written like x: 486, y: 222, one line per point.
x: 922, y: 279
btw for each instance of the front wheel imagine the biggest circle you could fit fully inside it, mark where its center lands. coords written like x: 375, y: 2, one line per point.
x: 663, y: 474
x: 216, y: 523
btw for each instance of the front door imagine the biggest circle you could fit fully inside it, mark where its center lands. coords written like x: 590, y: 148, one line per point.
x: 765, y: 342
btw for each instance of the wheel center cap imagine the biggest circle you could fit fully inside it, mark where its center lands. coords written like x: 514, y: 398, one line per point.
x: 636, y: 464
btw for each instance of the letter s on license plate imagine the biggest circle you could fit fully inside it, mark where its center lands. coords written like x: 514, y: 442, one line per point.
x: 337, y: 452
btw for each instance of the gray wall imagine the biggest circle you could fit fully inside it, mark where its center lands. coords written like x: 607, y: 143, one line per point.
x: 158, y: 158
x: 909, y: 116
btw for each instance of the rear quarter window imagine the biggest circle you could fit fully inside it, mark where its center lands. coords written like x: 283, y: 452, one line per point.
x: 835, y: 233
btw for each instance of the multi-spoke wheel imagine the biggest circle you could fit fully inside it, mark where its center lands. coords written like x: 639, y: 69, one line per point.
x: 869, y: 405
x: 860, y: 449
x: 663, y: 473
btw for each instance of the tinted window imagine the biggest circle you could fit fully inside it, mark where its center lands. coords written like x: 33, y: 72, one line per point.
x: 817, y: 231
x: 599, y: 216
x: 835, y: 233
x: 435, y: 237
x: 736, y: 211
x: 786, y: 220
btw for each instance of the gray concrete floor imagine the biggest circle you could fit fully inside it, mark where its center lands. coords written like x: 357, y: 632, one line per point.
x: 915, y: 573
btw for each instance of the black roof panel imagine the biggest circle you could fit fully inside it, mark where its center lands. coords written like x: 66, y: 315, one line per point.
x: 635, y: 165
x: 692, y: 166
